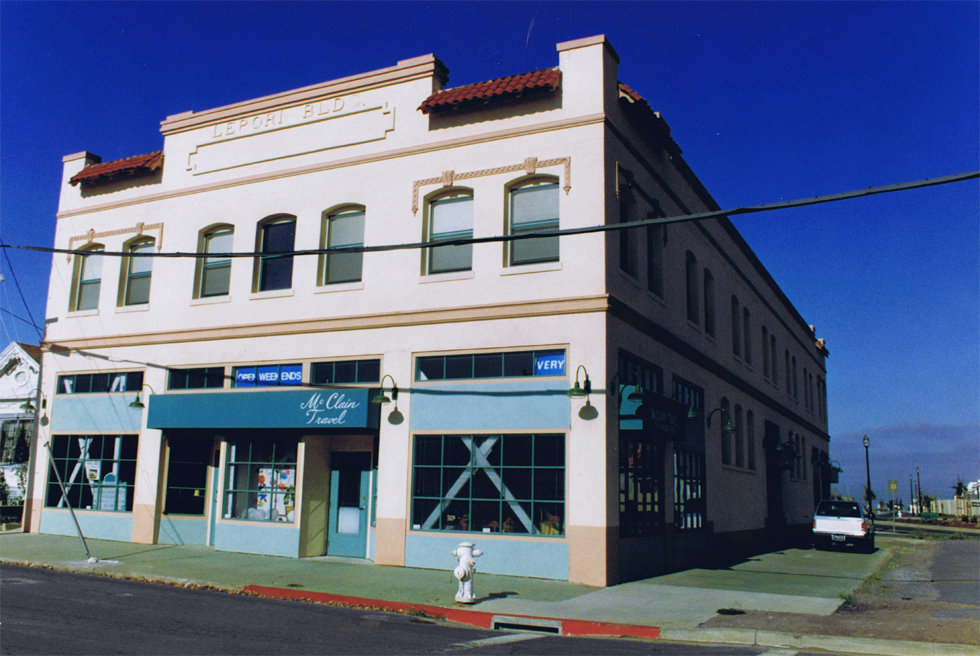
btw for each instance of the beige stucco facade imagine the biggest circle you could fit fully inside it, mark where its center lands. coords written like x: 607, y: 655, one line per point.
x: 302, y: 157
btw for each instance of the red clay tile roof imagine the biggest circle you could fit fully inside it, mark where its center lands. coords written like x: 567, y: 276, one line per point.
x: 131, y: 167
x: 651, y: 124
x: 483, y: 92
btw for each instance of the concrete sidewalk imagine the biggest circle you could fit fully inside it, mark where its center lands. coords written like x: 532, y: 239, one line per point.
x: 669, y: 607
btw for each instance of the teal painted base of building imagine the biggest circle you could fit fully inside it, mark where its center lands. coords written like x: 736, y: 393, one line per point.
x: 542, y: 559
x: 98, y: 526
x: 267, y: 539
x: 183, y: 531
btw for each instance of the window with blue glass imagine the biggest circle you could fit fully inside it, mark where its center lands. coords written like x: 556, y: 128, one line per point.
x: 516, y: 364
x: 270, y: 375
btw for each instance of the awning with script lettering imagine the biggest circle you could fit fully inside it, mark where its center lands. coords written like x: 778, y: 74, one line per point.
x: 316, y: 409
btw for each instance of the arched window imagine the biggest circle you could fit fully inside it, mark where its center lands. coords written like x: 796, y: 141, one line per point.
x: 750, y: 438
x: 533, y: 207
x: 774, y: 358
x: 747, y: 333
x: 342, y: 227
x: 275, y: 235
x: 450, y: 217
x: 709, y: 303
x: 137, y: 272
x: 789, y: 382
x: 765, y: 352
x: 629, y: 245
x: 796, y: 388
x: 88, y: 279
x: 726, y: 438
x: 806, y: 389
x: 656, y: 239
x: 693, y: 296
x: 214, y: 273
x: 736, y: 327
x: 739, y: 438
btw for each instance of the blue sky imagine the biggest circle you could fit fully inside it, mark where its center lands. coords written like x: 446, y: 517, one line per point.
x: 769, y: 101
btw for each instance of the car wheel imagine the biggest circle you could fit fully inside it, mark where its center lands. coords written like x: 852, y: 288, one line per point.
x: 869, y: 543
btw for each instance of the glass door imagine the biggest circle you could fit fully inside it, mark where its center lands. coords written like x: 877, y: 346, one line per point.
x: 350, y: 475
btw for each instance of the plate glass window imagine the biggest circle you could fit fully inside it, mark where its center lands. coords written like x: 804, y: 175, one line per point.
x: 451, y: 218
x: 344, y: 229
x: 216, y: 271
x: 89, y: 281
x: 261, y: 480
x: 138, y: 274
x: 276, y: 271
x: 534, y: 208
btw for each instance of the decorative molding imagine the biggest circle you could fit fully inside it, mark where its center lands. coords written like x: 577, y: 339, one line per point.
x: 486, y: 137
x: 138, y: 229
x: 492, y: 312
x: 529, y: 166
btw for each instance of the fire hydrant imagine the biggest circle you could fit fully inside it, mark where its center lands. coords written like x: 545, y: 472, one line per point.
x: 465, y: 571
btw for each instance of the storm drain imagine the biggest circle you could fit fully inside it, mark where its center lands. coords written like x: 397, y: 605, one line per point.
x: 528, y: 624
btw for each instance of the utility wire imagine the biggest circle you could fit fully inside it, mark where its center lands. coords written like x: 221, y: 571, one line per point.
x: 768, y: 207
x: 15, y: 316
x: 40, y: 333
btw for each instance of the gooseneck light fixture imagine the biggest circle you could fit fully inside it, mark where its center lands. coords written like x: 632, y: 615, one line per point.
x: 139, y: 403
x: 382, y: 398
x: 729, y: 427
x: 581, y: 391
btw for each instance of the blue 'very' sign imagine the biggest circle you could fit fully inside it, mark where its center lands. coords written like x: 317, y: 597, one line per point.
x: 549, y: 364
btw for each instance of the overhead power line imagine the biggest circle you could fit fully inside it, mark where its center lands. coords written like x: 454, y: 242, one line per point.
x: 768, y: 207
x: 40, y: 333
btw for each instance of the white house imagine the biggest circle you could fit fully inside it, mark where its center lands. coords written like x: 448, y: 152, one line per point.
x: 20, y: 366
x: 228, y: 401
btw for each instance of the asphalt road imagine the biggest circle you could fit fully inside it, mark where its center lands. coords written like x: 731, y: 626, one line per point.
x: 49, y: 612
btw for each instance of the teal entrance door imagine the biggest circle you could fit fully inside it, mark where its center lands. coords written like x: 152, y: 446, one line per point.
x: 350, y: 476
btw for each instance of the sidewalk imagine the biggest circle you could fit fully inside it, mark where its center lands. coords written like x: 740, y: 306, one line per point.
x: 670, y: 607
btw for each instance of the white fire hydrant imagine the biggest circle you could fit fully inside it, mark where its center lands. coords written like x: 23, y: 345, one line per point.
x: 465, y: 571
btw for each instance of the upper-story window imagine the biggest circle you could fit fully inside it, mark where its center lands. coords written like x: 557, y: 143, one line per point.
x: 789, y: 382
x: 534, y: 208
x: 88, y: 279
x: 275, y: 271
x: 709, y: 303
x: 629, y: 244
x: 765, y: 352
x: 806, y: 389
x: 736, y: 327
x: 137, y: 272
x: 656, y: 240
x: 747, y: 333
x: 692, y: 289
x: 774, y: 358
x: 342, y: 228
x: 796, y: 387
x: 215, y: 272
x: 450, y: 217
x: 726, y: 437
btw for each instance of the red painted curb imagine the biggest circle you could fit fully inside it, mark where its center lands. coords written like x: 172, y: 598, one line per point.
x: 476, y: 618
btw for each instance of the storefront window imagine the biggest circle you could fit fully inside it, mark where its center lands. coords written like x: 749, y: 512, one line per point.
x: 187, y: 476
x: 261, y: 480
x: 640, y: 493
x: 689, y: 503
x: 489, y: 484
x: 98, y: 472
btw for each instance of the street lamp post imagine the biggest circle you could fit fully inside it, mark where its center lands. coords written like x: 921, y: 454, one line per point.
x: 867, y: 469
x: 918, y: 485
x: 911, y: 495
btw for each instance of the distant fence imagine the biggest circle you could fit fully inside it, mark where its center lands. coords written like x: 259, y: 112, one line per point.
x: 969, y: 505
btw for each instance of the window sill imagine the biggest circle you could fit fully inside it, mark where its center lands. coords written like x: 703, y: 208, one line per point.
x: 630, y: 279
x: 711, y: 338
x: 277, y: 293
x: 516, y: 269
x: 444, y: 277
x: 143, y: 307
x: 740, y: 470
x: 659, y: 300
x: 694, y: 325
x: 339, y: 287
x: 82, y: 313
x: 211, y: 300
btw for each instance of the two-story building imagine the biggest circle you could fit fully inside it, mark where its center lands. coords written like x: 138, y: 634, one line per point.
x: 592, y: 407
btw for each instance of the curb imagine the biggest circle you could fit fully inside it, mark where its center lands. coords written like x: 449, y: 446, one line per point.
x: 829, y: 643
x: 466, y: 616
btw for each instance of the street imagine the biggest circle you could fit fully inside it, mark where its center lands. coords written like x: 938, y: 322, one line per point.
x: 50, y: 612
